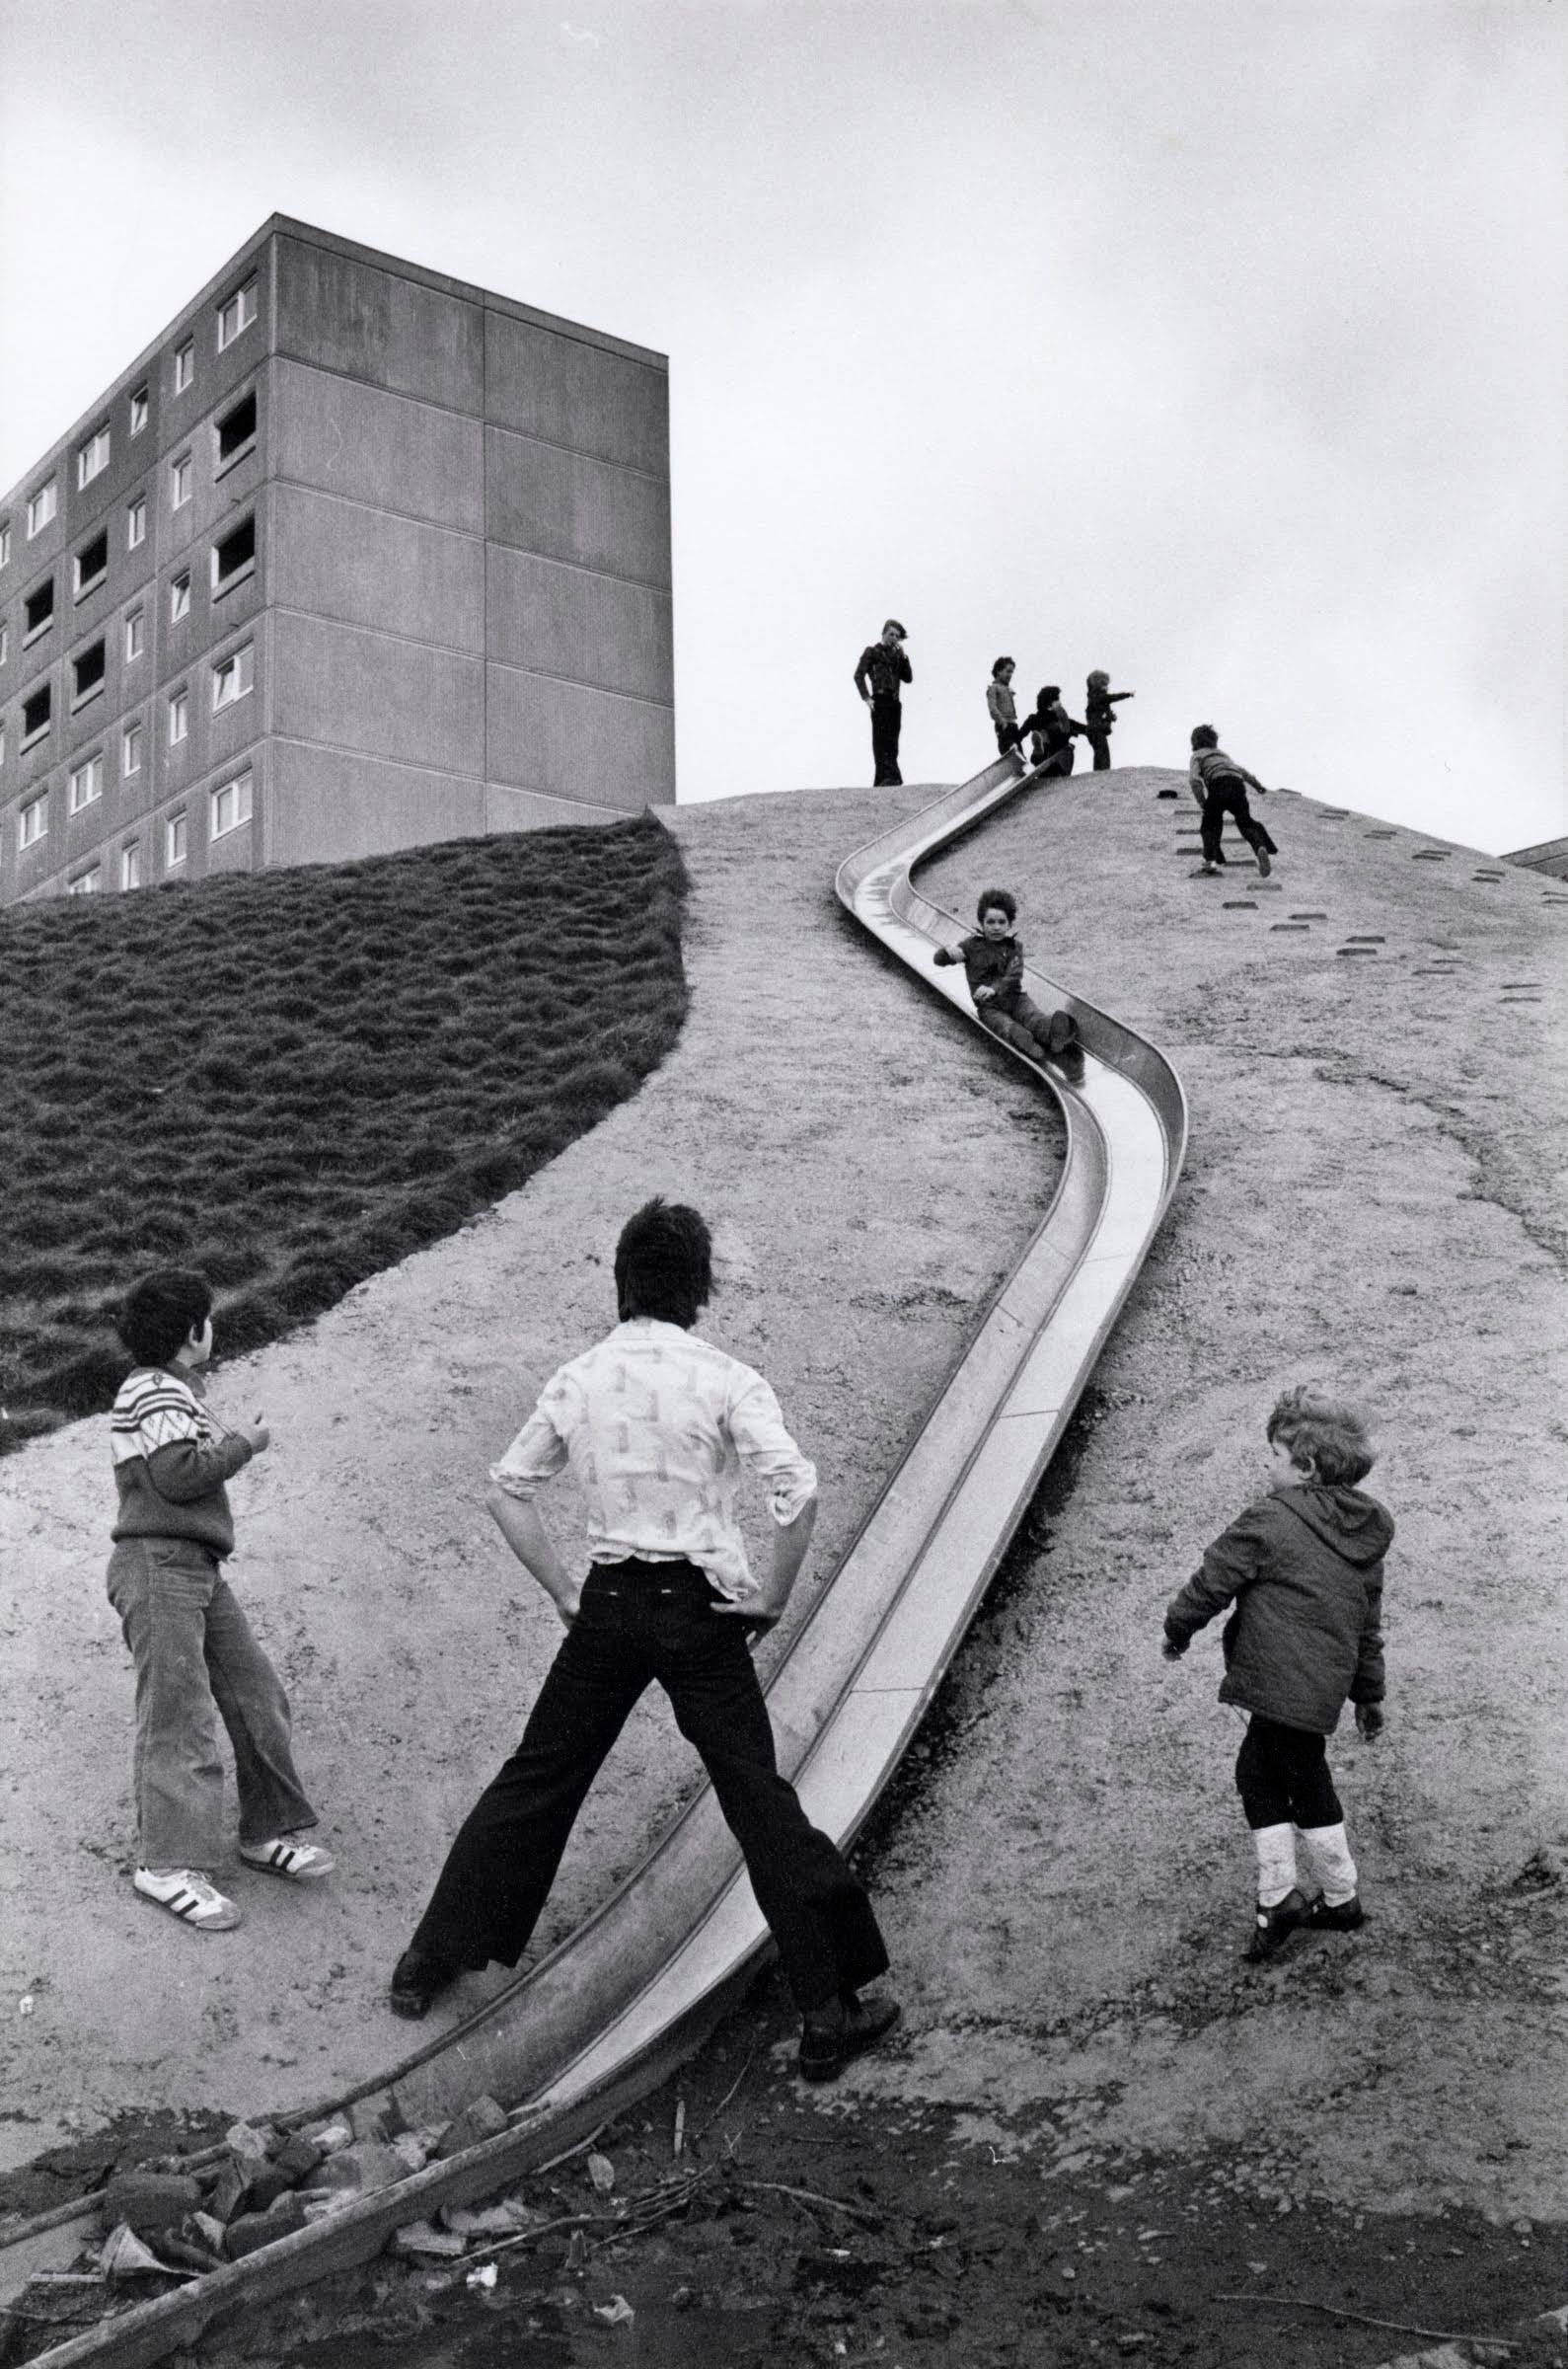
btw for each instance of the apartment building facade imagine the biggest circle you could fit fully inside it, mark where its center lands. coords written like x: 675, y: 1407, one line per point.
x: 355, y: 557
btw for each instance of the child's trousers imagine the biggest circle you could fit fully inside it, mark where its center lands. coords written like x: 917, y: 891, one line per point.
x: 1021, y: 1023
x: 197, y: 1662
x: 1228, y: 796
x: 1282, y: 1775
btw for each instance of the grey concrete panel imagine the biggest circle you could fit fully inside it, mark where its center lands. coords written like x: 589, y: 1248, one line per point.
x: 365, y: 567
x: 369, y: 447
x: 389, y: 698
x: 552, y: 619
x: 566, y: 741
x: 507, y: 810
x: 326, y: 806
x: 574, y: 394
x: 347, y: 315
x: 568, y: 506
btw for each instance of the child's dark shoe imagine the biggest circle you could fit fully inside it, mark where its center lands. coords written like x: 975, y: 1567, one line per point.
x: 1346, y: 1916
x: 1264, y: 866
x: 831, y: 2037
x: 1274, y: 1926
x: 417, y: 1980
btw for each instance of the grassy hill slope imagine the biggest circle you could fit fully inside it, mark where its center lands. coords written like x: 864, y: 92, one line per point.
x: 290, y: 1080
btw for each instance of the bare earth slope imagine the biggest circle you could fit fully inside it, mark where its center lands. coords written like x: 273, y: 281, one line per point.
x: 870, y: 1181
x: 1368, y: 1200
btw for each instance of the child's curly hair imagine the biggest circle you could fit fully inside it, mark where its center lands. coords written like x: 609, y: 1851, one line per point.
x: 1002, y: 899
x: 1323, y: 1435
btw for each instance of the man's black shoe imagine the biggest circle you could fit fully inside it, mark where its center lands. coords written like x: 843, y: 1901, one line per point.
x: 828, y: 2041
x: 1275, y: 1926
x: 416, y: 1981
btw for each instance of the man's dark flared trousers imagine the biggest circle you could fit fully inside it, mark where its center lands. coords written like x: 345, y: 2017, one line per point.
x: 887, y: 714
x: 640, y: 1622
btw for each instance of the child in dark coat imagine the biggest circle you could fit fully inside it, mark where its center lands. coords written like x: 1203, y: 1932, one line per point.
x: 1100, y: 715
x: 993, y: 961
x: 1303, y: 1569
x: 1052, y: 729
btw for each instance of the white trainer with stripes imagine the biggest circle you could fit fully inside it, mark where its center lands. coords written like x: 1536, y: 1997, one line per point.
x: 188, y: 1897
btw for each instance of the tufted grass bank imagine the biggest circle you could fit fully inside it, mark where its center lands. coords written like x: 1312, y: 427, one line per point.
x: 291, y: 1080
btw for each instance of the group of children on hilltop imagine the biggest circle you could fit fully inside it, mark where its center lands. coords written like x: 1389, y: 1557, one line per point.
x: 1218, y: 783
x: 1050, y: 729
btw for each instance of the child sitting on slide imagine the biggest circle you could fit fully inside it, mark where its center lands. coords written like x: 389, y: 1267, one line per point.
x: 993, y: 961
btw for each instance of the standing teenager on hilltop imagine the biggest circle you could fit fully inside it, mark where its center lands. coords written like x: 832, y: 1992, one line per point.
x: 880, y: 673
x: 655, y: 1425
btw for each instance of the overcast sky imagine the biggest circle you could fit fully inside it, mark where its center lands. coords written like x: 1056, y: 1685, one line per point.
x: 1217, y: 343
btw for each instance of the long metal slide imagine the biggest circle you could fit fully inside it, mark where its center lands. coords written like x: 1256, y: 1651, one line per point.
x: 611, y: 2012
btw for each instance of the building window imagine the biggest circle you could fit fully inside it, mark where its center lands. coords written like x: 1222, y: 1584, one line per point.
x: 236, y: 432
x: 234, y: 556
x: 130, y: 751
x: 175, y: 840
x: 38, y: 611
x: 2, y: 740
x: 139, y: 410
x: 136, y: 523
x: 178, y: 717
x: 181, y: 476
x: 42, y: 507
x: 130, y: 866
x: 231, y: 805
x: 92, y: 564
x: 86, y: 783
x: 33, y: 822
x: 135, y: 634
x: 5, y: 641
x: 237, y: 314
x: 87, y: 674
x: 185, y: 366
x: 179, y: 598
x: 36, y: 715
x: 86, y: 883
x: 5, y: 544
x: 233, y: 678
x: 91, y: 458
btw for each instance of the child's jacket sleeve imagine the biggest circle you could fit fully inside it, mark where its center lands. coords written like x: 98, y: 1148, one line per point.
x: 188, y: 1469
x: 1370, y: 1684
x: 1233, y: 1563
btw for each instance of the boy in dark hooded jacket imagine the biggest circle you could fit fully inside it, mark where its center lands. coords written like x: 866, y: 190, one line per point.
x: 1304, y: 1568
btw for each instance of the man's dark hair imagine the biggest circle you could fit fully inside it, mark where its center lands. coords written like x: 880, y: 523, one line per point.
x: 1203, y: 736
x: 1050, y: 693
x: 159, y: 1314
x: 663, y: 1263
x: 1002, y: 899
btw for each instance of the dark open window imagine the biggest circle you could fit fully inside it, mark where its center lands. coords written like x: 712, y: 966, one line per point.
x: 37, y: 610
x: 87, y: 674
x: 234, y: 555
x: 237, y: 430
x: 35, y: 714
x: 92, y: 564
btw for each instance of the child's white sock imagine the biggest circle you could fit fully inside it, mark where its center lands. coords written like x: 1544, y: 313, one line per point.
x: 1327, y: 1854
x: 1276, y: 1850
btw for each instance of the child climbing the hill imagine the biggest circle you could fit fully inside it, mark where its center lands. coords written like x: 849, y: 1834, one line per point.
x: 1052, y: 729
x: 1220, y: 786
x: 196, y: 1659
x: 1303, y: 1570
x: 1099, y: 715
x: 1004, y: 708
x: 993, y: 961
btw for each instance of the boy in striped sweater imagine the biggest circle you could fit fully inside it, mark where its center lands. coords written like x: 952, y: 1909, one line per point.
x: 196, y: 1659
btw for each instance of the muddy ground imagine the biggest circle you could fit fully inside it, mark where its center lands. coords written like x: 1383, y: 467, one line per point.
x: 1371, y: 1197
